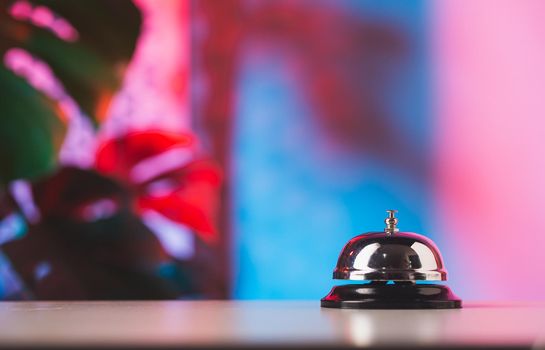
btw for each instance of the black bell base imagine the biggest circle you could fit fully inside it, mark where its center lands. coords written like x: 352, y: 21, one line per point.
x: 377, y: 295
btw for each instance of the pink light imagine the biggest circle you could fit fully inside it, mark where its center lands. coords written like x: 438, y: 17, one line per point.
x: 36, y: 72
x: 155, y: 96
x: 79, y: 143
x: 490, y: 137
x: 43, y: 17
x: 100, y: 209
x: 161, y: 187
x: 21, y: 10
x: 64, y: 30
x: 163, y: 163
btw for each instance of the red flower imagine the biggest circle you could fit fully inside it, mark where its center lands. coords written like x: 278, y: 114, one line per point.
x: 166, y: 175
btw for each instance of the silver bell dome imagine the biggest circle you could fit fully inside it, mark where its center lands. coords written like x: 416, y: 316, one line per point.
x: 390, y: 255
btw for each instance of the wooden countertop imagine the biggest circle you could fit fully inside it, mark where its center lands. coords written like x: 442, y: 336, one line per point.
x: 222, y: 324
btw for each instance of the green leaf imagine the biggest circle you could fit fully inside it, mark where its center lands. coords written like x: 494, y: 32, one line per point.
x: 31, y: 132
x: 91, y: 68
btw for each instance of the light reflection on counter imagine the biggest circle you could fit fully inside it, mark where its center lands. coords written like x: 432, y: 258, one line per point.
x: 372, y: 327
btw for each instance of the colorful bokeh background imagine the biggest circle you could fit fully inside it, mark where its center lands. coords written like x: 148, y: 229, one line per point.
x: 322, y: 114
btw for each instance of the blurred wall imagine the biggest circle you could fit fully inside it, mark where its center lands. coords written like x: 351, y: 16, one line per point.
x: 489, y: 136
x: 321, y: 113
x: 448, y: 132
x: 331, y: 127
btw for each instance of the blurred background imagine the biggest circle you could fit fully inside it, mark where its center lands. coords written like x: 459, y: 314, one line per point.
x: 166, y: 149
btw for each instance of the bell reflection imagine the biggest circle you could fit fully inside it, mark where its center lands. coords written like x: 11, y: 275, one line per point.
x: 360, y: 329
x: 363, y: 328
x: 372, y: 327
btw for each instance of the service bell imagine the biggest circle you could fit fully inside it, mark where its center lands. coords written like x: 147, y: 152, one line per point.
x: 395, y: 269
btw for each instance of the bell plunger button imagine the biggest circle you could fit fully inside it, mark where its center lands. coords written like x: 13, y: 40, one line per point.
x: 391, y: 222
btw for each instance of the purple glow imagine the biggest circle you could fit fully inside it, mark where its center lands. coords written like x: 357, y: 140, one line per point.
x: 22, y: 193
x: 36, y: 72
x: 80, y: 142
x: 42, y: 270
x: 161, y: 188
x: 100, y: 209
x: 155, y: 96
x: 43, y: 17
x: 152, y: 167
x: 12, y: 226
x: 177, y: 239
